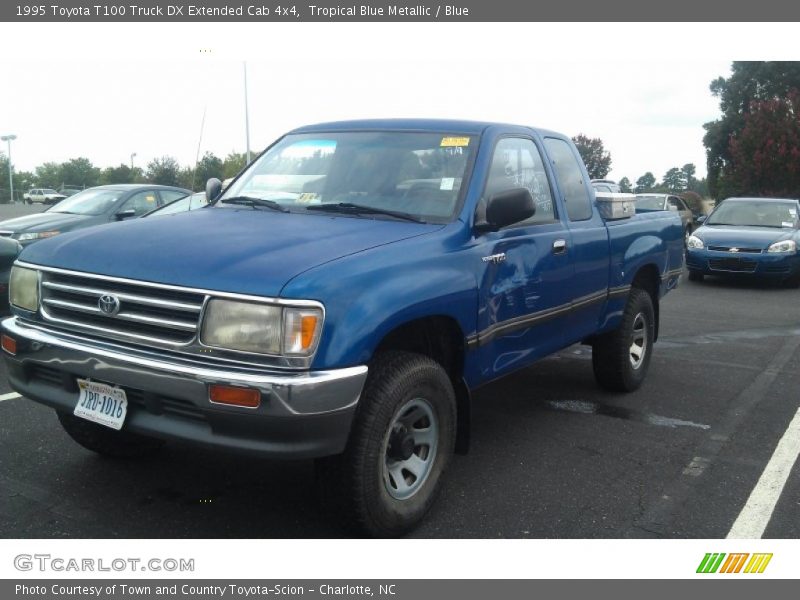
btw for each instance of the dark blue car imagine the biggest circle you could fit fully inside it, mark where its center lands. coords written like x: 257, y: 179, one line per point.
x: 754, y: 237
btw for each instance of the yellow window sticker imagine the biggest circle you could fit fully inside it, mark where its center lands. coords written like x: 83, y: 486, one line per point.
x: 308, y: 197
x: 451, y: 142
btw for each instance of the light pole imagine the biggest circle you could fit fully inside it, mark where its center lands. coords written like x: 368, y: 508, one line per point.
x: 133, y: 155
x: 10, y: 138
x: 246, y: 115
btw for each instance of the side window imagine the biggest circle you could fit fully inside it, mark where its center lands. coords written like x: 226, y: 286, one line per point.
x: 168, y: 196
x: 517, y: 163
x: 673, y: 201
x: 568, y: 171
x: 142, y: 202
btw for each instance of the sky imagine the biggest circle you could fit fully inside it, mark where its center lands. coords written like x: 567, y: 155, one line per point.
x: 105, y: 92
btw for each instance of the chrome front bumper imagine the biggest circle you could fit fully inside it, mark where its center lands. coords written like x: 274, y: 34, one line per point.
x: 302, y: 414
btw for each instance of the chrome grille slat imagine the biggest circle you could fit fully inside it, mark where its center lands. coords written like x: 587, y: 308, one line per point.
x: 145, y: 313
x: 143, y: 300
x: 125, y: 316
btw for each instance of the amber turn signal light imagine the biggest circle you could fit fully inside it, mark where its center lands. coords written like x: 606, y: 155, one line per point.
x: 9, y: 344
x: 234, y: 396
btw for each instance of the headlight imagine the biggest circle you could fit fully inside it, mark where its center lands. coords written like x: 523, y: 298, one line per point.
x: 261, y: 328
x: 23, y: 287
x: 37, y: 235
x: 694, y: 243
x: 784, y: 246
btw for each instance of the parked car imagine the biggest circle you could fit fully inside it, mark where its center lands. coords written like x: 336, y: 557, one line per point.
x: 752, y: 237
x: 339, y: 301
x: 606, y: 185
x: 93, y: 206
x: 42, y: 196
x: 9, y: 250
x: 650, y: 202
x: 70, y: 190
x: 184, y: 204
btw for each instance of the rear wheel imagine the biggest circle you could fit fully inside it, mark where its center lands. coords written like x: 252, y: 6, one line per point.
x: 620, y: 358
x: 401, y: 442
x: 107, y: 441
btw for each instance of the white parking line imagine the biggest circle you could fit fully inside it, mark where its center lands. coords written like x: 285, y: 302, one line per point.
x: 755, y: 516
x: 9, y: 396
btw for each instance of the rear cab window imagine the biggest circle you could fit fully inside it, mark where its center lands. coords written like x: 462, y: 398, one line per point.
x: 570, y: 179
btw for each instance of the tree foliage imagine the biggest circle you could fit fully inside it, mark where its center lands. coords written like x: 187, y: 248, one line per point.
x: 750, y: 83
x: 646, y: 182
x: 674, y: 180
x: 765, y: 153
x: 625, y: 185
x: 594, y: 155
x: 233, y: 164
x: 164, y: 171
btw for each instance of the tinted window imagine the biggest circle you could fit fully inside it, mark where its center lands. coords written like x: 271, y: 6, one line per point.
x: 517, y: 163
x: 142, y: 202
x: 570, y: 177
x: 94, y: 201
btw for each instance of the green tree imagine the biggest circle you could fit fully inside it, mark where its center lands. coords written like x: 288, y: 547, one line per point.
x: 689, y: 171
x: 233, y: 164
x: 48, y: 175
x: 79, y: 171
x: 209, y: 166
x: 121, y: 174
x: 674, y: 180
x: 164, y: 171
x: 750, y: 81
x: 646, y: 182
x: 625, y: 185
x: 765, y: 154
x: 595, y: 157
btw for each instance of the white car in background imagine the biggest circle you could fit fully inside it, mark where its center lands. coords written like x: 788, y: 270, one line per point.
x: 43, y: 196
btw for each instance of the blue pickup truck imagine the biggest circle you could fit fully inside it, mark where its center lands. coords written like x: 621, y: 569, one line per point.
x: 339, y: 301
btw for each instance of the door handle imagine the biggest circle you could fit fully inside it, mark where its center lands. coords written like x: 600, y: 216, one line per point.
x: 559, y: 246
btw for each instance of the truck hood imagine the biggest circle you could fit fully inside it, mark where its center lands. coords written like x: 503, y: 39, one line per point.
x: 246, y: 251
x: 743, y: 237
x: 45, y: 221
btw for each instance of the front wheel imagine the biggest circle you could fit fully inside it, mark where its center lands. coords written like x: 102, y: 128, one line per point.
x: 401, y: 441
x: 620, y: 358
x: 695, y: 275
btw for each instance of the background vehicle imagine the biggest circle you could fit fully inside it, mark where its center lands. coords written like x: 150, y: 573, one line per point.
x: 184, y: 204
x: 605, y: 185
x: 339, y: 301
x: 70, y: 190
x: 9, y: 250
x: 43, y: 196
x: 750, y: 237
x: 649, y: 202
x: 93, y: 206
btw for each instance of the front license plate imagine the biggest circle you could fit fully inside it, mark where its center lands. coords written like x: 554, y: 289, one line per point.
x: 101, y: 403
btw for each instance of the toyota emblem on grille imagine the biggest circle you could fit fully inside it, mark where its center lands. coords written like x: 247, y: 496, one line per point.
x: 108, y: 304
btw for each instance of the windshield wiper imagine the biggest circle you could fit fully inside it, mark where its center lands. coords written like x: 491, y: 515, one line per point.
x: 349, y: 208
x: 251, y: 201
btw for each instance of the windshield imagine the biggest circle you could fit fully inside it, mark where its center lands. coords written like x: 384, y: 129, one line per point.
x: 419, y: 174
x: 757, y: 213
x: 650, y: 202
x: 88, y: 202
x: 188, y: 203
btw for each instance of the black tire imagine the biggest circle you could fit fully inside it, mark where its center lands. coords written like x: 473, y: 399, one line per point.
x: 613, y: 361
x: 356, y: 484
x: 792, y: 282
x: 695, y: 275
x: 29, y: 201
x: 107, y: 441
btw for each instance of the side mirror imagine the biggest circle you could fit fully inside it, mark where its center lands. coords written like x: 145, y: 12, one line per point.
x: 507, y: 208
x: 125, y: 214
x: 702, y: 218
x: 213, y: 189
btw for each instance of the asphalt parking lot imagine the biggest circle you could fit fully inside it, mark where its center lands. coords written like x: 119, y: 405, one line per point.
x: 552, y: 456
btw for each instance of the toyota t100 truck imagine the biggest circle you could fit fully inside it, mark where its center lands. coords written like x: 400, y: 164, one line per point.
x: 339, y: 301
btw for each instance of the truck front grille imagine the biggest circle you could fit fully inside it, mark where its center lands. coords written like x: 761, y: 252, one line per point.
x: 135, y: 312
